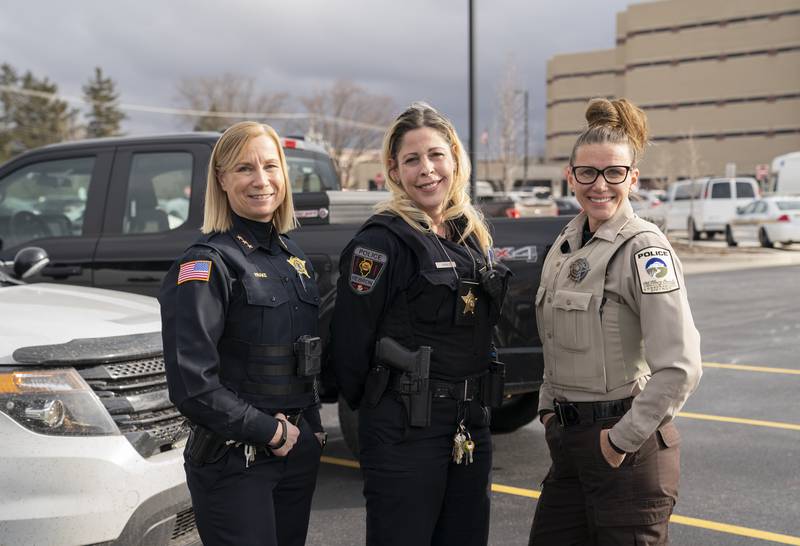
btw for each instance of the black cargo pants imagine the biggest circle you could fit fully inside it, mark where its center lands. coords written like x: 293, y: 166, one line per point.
x: 416, y: 495
x: 267, y: 503
x: 585, y: 501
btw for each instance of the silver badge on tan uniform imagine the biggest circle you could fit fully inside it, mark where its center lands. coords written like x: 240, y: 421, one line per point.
x: 578, y: 269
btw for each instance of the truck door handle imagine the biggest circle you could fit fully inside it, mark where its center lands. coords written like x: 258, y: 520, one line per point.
x: 62, y: 271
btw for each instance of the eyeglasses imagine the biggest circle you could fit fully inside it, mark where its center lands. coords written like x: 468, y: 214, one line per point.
x: 613, y: 174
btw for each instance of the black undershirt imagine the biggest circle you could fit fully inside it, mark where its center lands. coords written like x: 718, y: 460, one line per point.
x: 587, y: 234
x: 262, y: 231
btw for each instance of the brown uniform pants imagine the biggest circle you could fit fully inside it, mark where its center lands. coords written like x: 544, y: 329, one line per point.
x: 587, y: 502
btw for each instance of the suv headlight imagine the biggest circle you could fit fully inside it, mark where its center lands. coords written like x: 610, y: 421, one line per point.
x: 55, y: 401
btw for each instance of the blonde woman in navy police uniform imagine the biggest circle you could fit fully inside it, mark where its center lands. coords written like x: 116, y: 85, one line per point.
x: 239, y: 312
x: 621, y: 352
x: 419, y: 273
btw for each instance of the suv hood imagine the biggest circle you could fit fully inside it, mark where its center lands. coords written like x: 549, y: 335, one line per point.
x: 54, y: 314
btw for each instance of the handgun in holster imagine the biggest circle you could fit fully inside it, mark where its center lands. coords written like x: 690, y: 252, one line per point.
x: 205, y: 446
x: 413, y: 381
x: 308, y: 351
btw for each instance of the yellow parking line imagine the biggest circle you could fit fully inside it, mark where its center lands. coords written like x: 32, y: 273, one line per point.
x: 745, y: 368
x: 739, y: 420
x: 681, y: 520
x: 735, y: 530
x: 340, y: 462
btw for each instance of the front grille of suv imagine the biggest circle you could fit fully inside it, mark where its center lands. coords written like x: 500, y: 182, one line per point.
x: 135, y: 394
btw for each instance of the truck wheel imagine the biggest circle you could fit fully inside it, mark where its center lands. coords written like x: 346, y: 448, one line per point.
x: 348, y: 422
x: 763, y: 238
x: 694, y: 235
x: 515, y: 412
x: 729, y: 237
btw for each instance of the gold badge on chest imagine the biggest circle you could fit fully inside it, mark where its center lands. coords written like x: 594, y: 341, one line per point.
x: 466, y: 302
x: 579, y: 269
x: 299, y: 265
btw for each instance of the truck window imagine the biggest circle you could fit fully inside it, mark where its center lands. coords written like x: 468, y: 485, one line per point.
x: 682, y: 192
x: 744, y: 190
x: 45, y: 199
x: 310, y: 171
x: 159, y: 191
x: 721, y: 190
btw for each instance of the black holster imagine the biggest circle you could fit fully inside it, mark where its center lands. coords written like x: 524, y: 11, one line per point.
x: 375, y: 385
x: 205, y: 446
x: 416, y: 397
x: 493, y: 385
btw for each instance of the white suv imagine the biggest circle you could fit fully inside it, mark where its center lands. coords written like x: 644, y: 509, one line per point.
x: 91, y: 445
x: 705, y: 205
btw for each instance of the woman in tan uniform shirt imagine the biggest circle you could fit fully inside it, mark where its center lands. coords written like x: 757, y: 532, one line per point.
x: 621, y: 352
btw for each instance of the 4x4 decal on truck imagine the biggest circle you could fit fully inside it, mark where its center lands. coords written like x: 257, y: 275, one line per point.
x: 516, y: 254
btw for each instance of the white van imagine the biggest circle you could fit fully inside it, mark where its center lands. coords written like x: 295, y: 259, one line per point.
x: 705, y: 205
x: 785, y: 174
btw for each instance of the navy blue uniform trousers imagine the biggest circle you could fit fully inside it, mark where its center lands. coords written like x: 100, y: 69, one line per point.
x: 265, y: 504
x: 415, y: 493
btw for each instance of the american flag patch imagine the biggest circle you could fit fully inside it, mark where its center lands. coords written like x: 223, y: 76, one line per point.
x: 198, y: 270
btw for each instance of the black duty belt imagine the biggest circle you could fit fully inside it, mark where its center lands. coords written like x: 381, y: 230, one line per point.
x: 586, y: 413
x: 297, y: 387
x: 463, y: 391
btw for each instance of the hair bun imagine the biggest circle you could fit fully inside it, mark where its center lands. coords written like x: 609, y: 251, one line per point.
x: 622, y: 115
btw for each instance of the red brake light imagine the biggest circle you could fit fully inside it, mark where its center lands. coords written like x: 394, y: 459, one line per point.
x: 289, y: 143
x: 512, y: 212
x: 784, y: 218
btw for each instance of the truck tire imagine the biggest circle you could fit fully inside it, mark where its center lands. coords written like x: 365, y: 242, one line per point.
x: 348, y: 423
x: 729, y: 237
x: 515, y: 412
x: 694, y: 235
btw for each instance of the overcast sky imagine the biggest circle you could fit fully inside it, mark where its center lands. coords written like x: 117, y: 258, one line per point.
x: 406, y: 49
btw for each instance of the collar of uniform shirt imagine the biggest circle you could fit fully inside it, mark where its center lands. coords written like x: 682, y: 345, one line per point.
x: 263, y: 233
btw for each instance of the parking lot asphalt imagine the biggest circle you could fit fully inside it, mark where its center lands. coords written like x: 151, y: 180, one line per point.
x: 715, y: 255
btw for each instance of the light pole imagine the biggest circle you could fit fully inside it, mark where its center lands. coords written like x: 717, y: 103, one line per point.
x: 524, y: 93
x: 472, y: 140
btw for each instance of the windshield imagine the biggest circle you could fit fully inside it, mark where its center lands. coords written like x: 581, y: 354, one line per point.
x: 310, y: 171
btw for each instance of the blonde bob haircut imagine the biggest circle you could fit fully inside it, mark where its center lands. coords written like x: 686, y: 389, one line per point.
x: 457, y: 202
x: 226, y: 154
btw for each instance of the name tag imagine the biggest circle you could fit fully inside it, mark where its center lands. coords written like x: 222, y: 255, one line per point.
x: 445, y: 265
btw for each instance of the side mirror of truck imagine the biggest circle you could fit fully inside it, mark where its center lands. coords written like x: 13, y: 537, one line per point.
x: 29, y: 261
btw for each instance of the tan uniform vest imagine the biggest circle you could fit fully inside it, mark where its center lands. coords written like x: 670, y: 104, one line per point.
x: 592, y: 342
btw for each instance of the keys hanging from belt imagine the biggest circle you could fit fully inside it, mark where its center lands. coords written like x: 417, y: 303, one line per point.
x: 463, y: 446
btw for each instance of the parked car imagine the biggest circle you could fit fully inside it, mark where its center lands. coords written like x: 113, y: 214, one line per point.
x: 647, y: 207
x: 770, y: 220
x: 92, y: 447
x: 567, y: 206
x: 494, y: 204
x: 124, y: 238
x: 704, y: 206
x: 534, y: 204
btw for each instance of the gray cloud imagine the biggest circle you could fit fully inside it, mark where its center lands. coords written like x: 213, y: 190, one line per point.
x: 415, y: 49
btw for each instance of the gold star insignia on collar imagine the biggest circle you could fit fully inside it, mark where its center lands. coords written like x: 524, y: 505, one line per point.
x: 299, y: 265
x: 469, y: 302
x: 244, y: 241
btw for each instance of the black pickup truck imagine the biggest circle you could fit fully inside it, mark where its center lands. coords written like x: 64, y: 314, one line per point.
x: 115, y: 213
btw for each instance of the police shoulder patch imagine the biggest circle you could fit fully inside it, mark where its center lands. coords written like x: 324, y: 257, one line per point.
x: 366, y: 267
x: 656, y: 270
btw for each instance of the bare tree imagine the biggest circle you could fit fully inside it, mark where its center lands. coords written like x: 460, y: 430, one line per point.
x: 350, y: 121
x: 507, y: 122
x: 229, y: 93
x: 694, y: 162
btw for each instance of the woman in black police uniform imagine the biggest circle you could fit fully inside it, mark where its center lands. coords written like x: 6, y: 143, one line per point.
x: 418, y: 273
x: 238, y: 310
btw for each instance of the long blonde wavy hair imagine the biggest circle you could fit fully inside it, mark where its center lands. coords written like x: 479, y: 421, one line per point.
x: 457, y: 202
